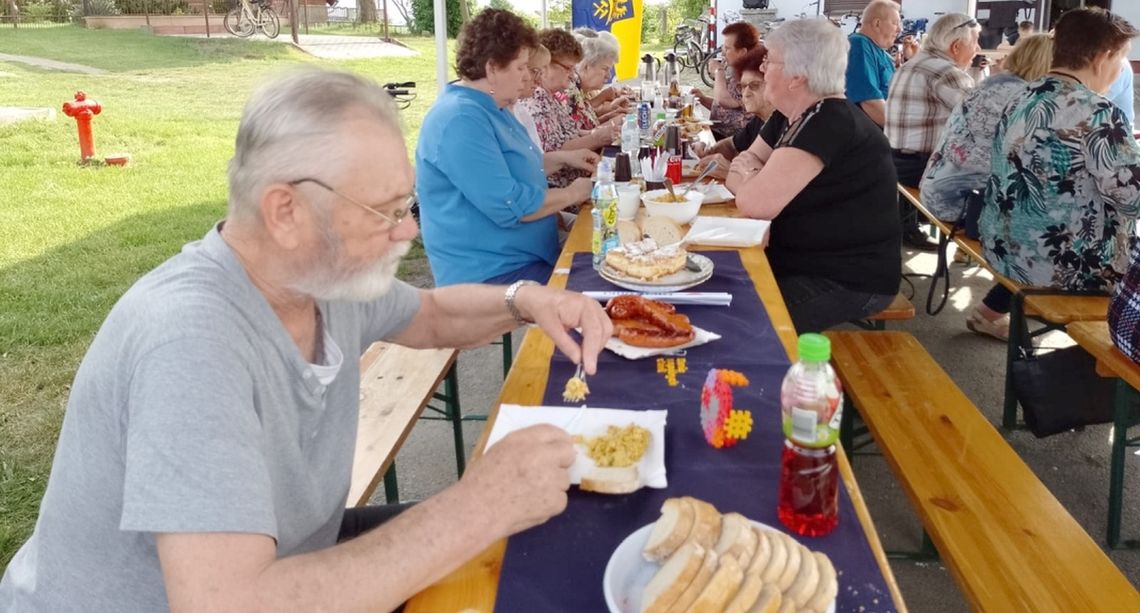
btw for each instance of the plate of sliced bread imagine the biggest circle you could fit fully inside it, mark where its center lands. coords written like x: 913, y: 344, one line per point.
x: 693, y: 558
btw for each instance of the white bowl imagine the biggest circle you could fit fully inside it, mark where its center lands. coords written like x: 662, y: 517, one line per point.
x: 680, y: 212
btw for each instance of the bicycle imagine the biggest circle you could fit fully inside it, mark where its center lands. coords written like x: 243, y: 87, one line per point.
x: 691, y: 47
x: 248, y: 17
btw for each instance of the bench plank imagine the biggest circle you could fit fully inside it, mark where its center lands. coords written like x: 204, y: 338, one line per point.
x: 396, y: 384
x: 1093, y: 337
x: 1063, y: 309
x: 899, y: 309
x: 1009, y: 543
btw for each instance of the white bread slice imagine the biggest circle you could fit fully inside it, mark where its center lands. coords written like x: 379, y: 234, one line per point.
x: 611, y: 480
x: 721, y: 588
x: 662, y: 229
x: 670, y: 530
x: 704, y: 575
x: 628, y: 231
x: 731, y: 525
x: 671, y: 580
x: 786, y: 605
x: 828, y: 587
x: 792, y: 566
x: 639, y: 219
x: 762, y: 554
x: 806, y: 581
x: 744, y: 547
x: 750, y: 587
x: 769, y: 600
x: 777, y: 561
x: 706, y: 523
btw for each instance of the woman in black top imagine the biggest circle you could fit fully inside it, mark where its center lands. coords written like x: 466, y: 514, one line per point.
x: 752, y: 95
x: 822, y: 172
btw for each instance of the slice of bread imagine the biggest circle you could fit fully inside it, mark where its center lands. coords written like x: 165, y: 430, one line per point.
x: 672, y: 579
x: 663, y: 230
x: 828, y: 586
x: 704, y: 575
x: 762, y: 554
x: 746, y: 596
x: 792, y: 566
x: 706, y: 524
x: 804, y: 585
x: 745, y: 544
x: 786, y: 605
x: 721, y: 588
x: 670, y: 530
x: 611, y: 480
x: 628, y: 232
x: 777, y: 561
x: 731, y: 525
x: 769, y: 600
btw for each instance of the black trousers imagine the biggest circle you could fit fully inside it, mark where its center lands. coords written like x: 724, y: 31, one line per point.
x: 909, y: 167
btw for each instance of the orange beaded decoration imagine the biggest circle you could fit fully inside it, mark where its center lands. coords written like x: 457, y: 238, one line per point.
x: 723, y: 426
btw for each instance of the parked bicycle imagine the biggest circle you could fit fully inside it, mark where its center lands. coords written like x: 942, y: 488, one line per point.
x: 691, y: 46
x: 249, y: 17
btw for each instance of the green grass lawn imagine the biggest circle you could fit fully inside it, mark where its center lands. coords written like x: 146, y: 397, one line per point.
x: 73, y: 239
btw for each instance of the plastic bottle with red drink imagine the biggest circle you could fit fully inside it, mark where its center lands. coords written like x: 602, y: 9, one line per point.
x: 811, y: 399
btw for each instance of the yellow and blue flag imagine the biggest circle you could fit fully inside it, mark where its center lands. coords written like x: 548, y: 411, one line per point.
x: 622, y: 18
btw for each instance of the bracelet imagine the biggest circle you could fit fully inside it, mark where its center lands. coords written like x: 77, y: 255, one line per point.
x: 509, y: 299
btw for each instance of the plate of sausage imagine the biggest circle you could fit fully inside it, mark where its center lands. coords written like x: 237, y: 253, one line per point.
x: 645, y: 327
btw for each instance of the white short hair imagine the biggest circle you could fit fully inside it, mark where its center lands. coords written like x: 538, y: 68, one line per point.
x: 813, y: 48
x: 288, y: 130
x: 597, y: 47
x: 879, y: 8
x: 947, y: 29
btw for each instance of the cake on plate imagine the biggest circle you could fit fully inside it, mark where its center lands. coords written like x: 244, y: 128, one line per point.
x: 645, y: 260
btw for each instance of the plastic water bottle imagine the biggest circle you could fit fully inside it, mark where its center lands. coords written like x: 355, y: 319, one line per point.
x: 811, y: 400
x: 604, y: 216
x: 630, y: 136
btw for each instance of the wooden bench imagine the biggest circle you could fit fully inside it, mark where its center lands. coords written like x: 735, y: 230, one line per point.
x: 1051, y: 308
x: 396, y: 386
x: 1093, y: 337
x: 1009, y: 543
x: 900, y: 309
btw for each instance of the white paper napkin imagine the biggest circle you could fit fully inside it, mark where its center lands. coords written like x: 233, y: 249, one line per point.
x: 593, y: 422
x: 630, y: 352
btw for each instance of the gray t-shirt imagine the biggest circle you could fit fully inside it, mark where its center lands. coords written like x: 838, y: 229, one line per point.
x: 194, y: 411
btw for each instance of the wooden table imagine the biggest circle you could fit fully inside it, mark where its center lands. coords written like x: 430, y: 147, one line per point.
x: 474, y: 585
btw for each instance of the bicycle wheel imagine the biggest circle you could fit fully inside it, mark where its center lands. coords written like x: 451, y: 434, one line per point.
x: 236, y: 23
x: 706, y: 74
x: 681, y: 51
x: 270, y: 24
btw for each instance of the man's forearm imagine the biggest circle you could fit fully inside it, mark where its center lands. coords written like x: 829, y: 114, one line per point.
x: 382, y: 568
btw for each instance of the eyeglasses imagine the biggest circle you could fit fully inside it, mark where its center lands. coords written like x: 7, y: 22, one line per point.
x: 967, y: 24
x: 768, y: 60
x: 753, y: 86
x: 563, y: 66
x: 395, y: 218
x: 536, y: 72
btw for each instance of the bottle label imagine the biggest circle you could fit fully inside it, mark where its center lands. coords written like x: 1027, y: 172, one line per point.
x: 803, y: 426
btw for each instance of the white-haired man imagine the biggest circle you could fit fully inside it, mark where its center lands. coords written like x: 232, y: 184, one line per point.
x: 924, y: 91
x: 869, y: 67
x: 206, y: 451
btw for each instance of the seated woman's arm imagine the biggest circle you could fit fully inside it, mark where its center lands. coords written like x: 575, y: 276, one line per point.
x: 595, y: 139
x: 721, y: 92
x: 558, y: 198
x: 1113, y: 158
x: 764, y: 193
x: 582, y: 159
x: 747, y: 163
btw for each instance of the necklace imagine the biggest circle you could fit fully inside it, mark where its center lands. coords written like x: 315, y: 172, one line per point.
x: 1065, y: 74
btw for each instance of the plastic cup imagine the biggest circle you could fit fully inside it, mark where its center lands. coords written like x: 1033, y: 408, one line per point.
x: 629, y: 200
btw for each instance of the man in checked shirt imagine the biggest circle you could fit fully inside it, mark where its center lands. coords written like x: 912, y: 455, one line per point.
x: 923, y: 92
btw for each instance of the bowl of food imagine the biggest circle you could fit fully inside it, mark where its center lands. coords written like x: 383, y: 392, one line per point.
x: 681, y: 209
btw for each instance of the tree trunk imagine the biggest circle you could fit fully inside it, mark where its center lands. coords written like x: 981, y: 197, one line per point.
x: 464, y: 11
x: 367, y: 11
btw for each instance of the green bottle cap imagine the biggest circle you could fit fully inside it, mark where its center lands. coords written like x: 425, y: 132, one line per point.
x: 814, y: 348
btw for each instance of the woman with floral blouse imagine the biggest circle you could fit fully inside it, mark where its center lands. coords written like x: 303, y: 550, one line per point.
x: 552, y: 119
x: 1064, y: 189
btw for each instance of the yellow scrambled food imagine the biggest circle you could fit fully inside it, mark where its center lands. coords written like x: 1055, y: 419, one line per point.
x: 668, y: 199
x: 618, y: 446
x: 576, y: 390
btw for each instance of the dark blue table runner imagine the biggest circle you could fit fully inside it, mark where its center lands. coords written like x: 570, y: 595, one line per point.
x: 558, y: 566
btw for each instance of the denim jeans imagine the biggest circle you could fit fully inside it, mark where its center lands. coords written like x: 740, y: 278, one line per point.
x: 909, y: 167
x: 817, y: 304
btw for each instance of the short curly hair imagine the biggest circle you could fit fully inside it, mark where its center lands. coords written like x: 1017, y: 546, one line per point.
x: 494, y: 35
x: 745, y: 34
x: 562, y: 44
x: 750, y: 61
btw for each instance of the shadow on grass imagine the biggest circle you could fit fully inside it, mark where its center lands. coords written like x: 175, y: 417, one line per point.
x: 53, y: 305
x: 133, y: 50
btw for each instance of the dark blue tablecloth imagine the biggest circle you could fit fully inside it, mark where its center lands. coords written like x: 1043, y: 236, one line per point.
x: 558, y: 566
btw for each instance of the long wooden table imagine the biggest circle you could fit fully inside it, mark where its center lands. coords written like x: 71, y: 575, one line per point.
x: 474, y: 585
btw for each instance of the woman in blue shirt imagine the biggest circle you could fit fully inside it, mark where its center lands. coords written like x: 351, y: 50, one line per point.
x: 486, y: 212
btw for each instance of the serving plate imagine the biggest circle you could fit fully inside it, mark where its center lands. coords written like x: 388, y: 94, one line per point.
x: 627, y: 572
x: 680, y: 280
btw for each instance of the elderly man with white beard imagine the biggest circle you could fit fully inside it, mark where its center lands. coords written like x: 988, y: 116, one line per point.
x: 205, y: 455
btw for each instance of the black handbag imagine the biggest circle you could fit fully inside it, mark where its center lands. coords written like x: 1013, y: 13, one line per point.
x: 1060, y: 391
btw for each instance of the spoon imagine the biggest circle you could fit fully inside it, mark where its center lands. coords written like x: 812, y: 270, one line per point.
x: 669, y: 186
x: 708, y: 169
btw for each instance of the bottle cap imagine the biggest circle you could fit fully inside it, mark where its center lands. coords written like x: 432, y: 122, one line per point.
x: 814, y: 348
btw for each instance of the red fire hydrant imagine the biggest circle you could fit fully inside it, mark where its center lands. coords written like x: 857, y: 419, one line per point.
x: 83, y: 110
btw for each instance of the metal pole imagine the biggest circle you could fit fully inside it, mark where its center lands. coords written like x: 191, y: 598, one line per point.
x: 544, y: 25
x: 387, y: 38
x: 440, y: 8
x: 206, y: 14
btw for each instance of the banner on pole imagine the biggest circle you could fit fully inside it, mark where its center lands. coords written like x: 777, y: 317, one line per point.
x: 622, y: 18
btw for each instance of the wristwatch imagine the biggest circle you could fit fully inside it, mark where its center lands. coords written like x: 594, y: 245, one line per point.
x: 509, y: 299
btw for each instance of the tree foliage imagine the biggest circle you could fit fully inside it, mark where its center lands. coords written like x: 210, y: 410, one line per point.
x: 423, y: 16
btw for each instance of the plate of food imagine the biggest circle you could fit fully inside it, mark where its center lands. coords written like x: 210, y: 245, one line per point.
x: 643, y: 266
x: 695, y: 558
x: 714, y: 192
x: 619, y: 450
x: 644, y: 327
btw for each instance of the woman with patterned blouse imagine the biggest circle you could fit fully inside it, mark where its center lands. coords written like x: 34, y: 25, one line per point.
x: 552, y: 118
x: 960, y: 166
x: 1064, y: 189
x: 589, y: 108
x: 726, y: 102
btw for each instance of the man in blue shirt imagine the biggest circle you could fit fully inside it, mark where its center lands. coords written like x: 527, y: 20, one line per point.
x: 869, y: 68
x: 1122, y: 94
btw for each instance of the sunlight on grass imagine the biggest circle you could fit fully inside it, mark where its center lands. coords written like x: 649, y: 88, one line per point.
x: 73, y: 238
